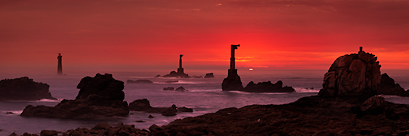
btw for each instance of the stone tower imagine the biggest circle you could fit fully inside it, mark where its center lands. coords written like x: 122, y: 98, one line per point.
x: 59, y: 69
x: 232, y: 81
x: 180, y: 69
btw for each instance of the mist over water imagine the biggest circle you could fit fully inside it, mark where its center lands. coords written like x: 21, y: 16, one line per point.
x: 204, y: 95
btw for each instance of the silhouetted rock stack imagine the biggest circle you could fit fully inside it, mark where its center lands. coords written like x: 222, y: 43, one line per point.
x: 388, y: 87
x: 268, y: 87
x: 23, y: 88
x: 352, y: 75
x: 144, y: 105
x: 358, y: 75
x: 101, y: 96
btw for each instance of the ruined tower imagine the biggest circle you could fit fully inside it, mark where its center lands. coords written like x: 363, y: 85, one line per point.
x: 59, y: 68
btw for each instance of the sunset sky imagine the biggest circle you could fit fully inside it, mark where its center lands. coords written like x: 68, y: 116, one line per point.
x: 150, y: 34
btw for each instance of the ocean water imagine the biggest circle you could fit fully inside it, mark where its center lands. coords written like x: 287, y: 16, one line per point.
x: 204, y: 95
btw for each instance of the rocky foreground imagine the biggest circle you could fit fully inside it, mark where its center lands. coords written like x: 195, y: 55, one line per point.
x: 307, y: 116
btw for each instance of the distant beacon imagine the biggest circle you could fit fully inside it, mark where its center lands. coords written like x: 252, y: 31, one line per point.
x: 59, y: 69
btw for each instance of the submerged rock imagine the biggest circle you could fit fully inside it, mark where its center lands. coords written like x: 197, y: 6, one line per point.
x: 144, y: 105
x: 169, y: 88
x: 209, y: 75
x: 267, y: 87
x: 140, y: 81
x: 23, y: 88
x: 181, y: 89
x: 99, y: 97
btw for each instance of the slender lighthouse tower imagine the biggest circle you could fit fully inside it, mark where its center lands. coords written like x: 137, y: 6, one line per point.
x: 180, y: 69
x: 59, y: 69
x: 233, y: 70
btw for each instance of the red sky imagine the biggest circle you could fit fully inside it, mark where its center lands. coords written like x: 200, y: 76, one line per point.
x: 150, y: 34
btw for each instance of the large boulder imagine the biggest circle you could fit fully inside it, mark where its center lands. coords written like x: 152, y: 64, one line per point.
x: 209, y: 75
x: 23, y: 88
x: 352, y: 75
x: 102, y: 85
x: 99, y: 97
x: 267, y: 87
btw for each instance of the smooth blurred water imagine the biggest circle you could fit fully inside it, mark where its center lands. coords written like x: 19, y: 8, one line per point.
x: 204, y: 95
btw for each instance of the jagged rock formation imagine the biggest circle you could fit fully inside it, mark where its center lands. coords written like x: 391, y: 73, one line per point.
x: 140, y: 81
x: 144, y: 105
x: 352, y: 75
x: 388, y: 87
x: 209, y: 75
x: 23, y: 88
x: 101, y: 96
x: 267, y: 87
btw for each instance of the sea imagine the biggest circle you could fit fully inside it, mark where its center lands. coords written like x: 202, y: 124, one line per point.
x: 204, y: 95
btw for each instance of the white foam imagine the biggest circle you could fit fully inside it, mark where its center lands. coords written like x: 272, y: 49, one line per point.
x: 49, y: 100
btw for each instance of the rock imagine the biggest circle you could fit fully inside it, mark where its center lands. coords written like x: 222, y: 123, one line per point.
x: 388, y: 87
x: 102, y: 85
x: 140, y: 105
x: 144, y: 105
x: 374, y: 105
x: 99, y: 97
x: 150, y: 116
x: 140, y: 81
x: 232, y: 82
x: 209, y: 75
x: 157, y: 75
x: 49, y: 133
x: 176, y: 74
x: 352, y: 75
x: 180, y: 89
x: 267, y: 87
x: 9, y: 112
x: 23, y: 88
x: 169, y: 88
x: 197, y: 77
x: 103, y: 126
x: 140, y: 121
x: 157, y: 131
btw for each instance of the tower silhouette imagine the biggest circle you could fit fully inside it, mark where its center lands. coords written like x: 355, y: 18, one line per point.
x: 59, y: 69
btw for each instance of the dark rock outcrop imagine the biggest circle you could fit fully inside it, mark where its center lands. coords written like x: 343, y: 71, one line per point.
x: 181, y: 89
x: 176, y: 74
x: 144, y: 105
x: 99, y: 97
x: 169, y: 88
x: 388, y: 87
x: 209, y: 75
x: 23, y: 88
x: 267, y: 87
x: 232, y: 82
x: 140, y: 81
x: 352, y: 75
